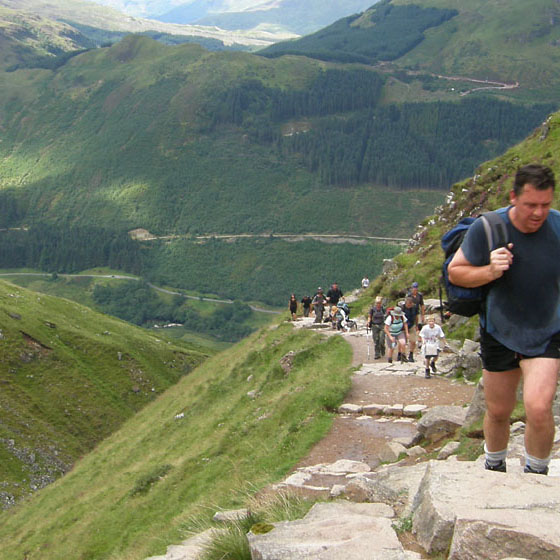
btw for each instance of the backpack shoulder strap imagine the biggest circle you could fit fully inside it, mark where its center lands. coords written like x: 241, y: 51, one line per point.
x: 495, y: 229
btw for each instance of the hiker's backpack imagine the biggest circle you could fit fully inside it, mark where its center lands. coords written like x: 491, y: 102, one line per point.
x: 470, y: 301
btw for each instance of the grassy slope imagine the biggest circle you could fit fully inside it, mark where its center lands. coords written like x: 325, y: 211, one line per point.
x: 511, y: 40
x: 226, y: 445
x: 64, y: 388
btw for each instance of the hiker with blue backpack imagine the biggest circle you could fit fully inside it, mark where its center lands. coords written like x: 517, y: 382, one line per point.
x: 519, y: 314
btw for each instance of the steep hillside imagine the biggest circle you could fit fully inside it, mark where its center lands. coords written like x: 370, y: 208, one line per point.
x: 27, y: 39
x: 227, y: 429
x: 480, y: 39
x: 487, y: 190
x: 296, y: 16
x: 70, y: 377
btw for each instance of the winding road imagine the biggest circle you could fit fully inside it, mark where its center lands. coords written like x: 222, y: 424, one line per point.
x: 137, y: 279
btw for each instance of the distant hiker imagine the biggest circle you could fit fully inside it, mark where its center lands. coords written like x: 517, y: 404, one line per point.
x: 365, y: 282
x: 306, y: 304
x: 429, y: 336
x: 397, y: 334
x: 376, y: 322
x: 520, y: 325
x: 411, y: 313
x: 319, y: 301
x: 418, y: 300
x: 334, y: 294
x: 293, y: 306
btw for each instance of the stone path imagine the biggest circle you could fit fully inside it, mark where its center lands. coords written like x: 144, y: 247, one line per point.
x: 380, y: 424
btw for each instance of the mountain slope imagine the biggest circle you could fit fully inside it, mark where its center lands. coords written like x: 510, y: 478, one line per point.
x: 296, y: 16
x: 141, y: 488
x: 483, y: 40
x: 70, y: 377
x: 138, y: 490
x: 487, y: 189
x: 104, y: 23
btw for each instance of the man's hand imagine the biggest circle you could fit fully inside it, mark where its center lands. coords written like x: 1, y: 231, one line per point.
x: 500, y: 260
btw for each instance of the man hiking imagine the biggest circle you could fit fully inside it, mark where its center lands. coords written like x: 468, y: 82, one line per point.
x: 376, y: 323
x: 418, y: 300
x: 411, y: 313
x: 520, y: 327
x: 396, y: 330
x: 334, y: 294
x: 318, y: 302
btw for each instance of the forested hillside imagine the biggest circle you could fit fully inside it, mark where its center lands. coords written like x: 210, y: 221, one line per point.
x: 181, y: 141
x: 473, y: 38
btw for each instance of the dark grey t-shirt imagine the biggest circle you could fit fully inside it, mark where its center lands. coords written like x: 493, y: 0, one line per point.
x: 523, y: 306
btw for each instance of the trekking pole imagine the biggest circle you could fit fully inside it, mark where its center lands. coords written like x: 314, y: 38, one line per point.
x: 367, y: 339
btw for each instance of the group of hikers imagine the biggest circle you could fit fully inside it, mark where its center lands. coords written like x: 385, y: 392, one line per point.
x: 325, y: 307
x: 402, y: 328
x: 519, y: 317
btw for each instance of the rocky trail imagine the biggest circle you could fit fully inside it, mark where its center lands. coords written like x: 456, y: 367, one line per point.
x: 387, y: 500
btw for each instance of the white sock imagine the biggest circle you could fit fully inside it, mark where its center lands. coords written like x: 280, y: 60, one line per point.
x: 535, y: 463
x: 494, y: 458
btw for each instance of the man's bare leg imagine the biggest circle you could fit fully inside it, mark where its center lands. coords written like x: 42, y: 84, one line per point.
x: 540, y: 379
x: 500, y: 390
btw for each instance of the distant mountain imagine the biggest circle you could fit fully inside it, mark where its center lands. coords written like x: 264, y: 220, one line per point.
x: 297, y: 16
x: 472, y: 38
x: 103, y: 24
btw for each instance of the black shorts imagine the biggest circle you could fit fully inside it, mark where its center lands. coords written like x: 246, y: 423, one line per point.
x: 496, y: 357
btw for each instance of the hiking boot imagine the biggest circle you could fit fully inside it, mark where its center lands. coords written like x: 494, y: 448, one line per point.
x: 427, y: 376
x: 433, y: 366
x: 390, y: 360
x: 500, y: 467
x: 377, y: 357
x: 399, y: 357
x: 411, y: 357
x: 403, y: 359
x: 529, y: 469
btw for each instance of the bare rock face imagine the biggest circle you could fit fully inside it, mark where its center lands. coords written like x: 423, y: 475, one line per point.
x: 441, y: 421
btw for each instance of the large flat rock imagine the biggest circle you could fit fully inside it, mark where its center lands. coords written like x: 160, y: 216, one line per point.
x: 481, y: 514
x: 332, y: 531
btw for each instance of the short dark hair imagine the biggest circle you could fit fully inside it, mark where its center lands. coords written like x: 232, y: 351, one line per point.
x: 539, y: 176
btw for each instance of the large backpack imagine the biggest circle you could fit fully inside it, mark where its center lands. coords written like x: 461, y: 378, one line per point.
x: 470, y: 301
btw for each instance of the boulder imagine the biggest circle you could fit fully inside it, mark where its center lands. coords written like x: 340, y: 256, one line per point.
x: 447, y: 450
x: 414, y: 410
x: 349, y: 408
x: 477, y: 408
x: 476, y: 513
x: 332, y: 531
x: 231, y: 515
x: 441, y: 421
x: 469, y: 360
x: 391, y: 452
x: 373, y: 409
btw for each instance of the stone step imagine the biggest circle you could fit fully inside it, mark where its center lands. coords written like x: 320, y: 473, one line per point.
x: 332, y: 531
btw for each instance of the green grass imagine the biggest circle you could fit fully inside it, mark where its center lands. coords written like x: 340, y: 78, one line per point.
x: 70, y: 377
x: 225, y: 446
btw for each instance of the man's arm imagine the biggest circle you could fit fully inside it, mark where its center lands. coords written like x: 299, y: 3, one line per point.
x: 462, y: 273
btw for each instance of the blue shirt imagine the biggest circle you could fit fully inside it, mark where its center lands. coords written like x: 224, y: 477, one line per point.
x: 523, y: 306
